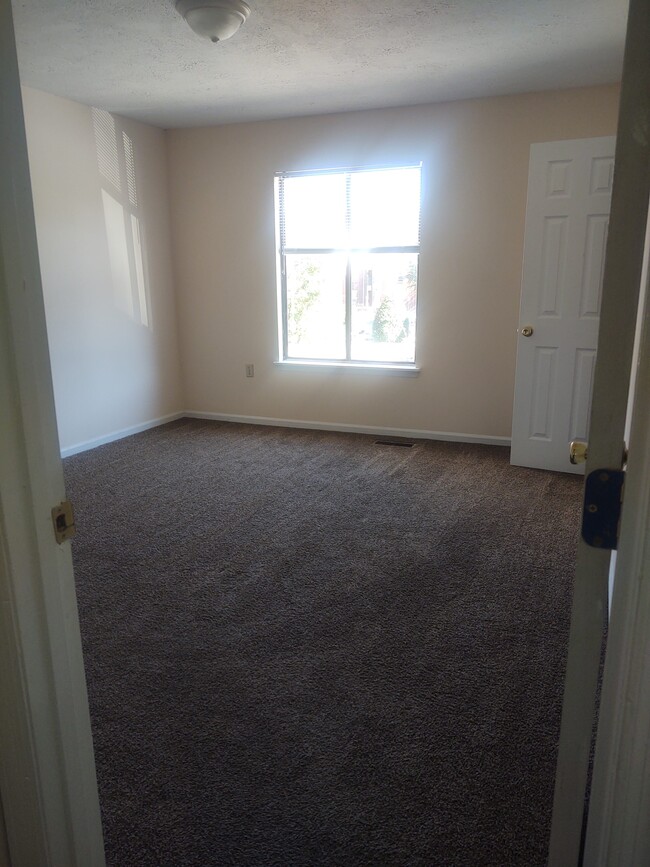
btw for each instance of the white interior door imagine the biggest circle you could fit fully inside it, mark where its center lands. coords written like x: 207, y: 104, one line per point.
x: 620, y: 305
x: 48, y: 791
x: 567, y: 218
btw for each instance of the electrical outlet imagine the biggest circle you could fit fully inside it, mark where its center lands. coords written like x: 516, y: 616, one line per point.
x: 250, y: 370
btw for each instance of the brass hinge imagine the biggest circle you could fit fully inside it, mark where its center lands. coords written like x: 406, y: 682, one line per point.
x: 63, y: 521
x: 601, y: 513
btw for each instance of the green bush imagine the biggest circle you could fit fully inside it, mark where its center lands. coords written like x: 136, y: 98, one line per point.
x: 386, y: 326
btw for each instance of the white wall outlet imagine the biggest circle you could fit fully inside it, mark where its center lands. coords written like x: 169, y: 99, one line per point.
x: 250, y: 370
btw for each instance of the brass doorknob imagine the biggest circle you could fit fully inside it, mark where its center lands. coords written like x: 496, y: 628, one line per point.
x: 578, y: 452
x: 527, y: 330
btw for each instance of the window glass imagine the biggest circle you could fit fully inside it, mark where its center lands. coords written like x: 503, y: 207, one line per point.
x: 355, y: 301
x: 383, y: 306
x: 316, y: 306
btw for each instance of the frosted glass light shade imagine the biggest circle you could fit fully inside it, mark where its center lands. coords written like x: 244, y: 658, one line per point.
x: 214, y: 19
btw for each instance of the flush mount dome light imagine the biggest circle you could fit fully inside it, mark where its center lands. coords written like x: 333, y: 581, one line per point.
x: 214, y: 19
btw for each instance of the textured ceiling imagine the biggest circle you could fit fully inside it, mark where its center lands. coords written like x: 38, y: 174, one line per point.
x: 295, y: 57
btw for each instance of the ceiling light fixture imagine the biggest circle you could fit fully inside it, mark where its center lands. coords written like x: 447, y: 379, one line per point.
x: 214, y: 19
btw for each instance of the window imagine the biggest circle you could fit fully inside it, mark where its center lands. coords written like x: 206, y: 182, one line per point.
x: 348, y: 248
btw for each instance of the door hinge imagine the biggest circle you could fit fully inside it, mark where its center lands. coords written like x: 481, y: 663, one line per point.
x: 63, y: 521
x: 601, y: 513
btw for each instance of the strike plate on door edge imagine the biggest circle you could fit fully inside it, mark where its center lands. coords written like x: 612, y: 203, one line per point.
x: 63, y: 521
x: 601, y: 513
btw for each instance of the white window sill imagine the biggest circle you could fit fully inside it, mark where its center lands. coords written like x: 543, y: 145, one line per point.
x: 407, y: 370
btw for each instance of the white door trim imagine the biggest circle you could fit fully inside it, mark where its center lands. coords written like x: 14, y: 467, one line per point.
x: 47, y: 773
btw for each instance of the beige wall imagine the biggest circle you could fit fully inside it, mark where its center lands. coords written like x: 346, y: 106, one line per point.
x: 475, y: 164
x: 113, y: 344
x: 111, y: 325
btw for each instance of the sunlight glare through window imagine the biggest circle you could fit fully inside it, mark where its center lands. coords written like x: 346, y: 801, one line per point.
x: 348, y: 246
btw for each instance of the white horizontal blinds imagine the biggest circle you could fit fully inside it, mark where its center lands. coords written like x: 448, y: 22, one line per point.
x: 314, y: 211
x: 281, y: 218
x: 350, y: 209
x: 385, y: 208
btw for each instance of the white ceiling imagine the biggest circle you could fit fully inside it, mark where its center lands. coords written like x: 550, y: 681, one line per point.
x: 297, y: 57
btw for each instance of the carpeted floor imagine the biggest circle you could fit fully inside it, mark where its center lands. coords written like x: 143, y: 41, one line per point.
x: 303, y: 648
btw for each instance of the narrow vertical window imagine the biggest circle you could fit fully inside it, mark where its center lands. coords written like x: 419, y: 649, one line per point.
x: 348, y: 245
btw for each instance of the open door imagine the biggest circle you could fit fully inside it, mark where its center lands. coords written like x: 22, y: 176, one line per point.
x: 48, y: 790
x: 567, y: 217
x: 618, y: 832
x: 621, y: 285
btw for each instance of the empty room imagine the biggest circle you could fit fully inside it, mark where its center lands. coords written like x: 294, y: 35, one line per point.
x: 306, y: 348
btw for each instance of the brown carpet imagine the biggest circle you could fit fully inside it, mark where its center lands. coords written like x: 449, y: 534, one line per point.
x: 303, y: 648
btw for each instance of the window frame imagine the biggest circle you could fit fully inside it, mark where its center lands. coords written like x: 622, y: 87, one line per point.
x: 348, y: 251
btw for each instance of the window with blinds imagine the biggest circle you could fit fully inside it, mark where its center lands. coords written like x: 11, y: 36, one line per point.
x: 348, y: 246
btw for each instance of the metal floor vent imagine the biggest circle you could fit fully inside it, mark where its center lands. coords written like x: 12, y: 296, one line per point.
x: 402, y: 443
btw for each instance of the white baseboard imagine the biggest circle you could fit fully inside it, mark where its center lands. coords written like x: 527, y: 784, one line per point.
x: 353, y: 428
x: 119, y: 434
x: 444, y: 436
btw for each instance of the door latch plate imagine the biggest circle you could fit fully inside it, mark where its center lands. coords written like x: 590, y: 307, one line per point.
x: 602, y: 508
x: 63, y: 521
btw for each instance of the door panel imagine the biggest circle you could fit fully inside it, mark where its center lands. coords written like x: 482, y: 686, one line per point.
x: 569, y: 193
x: 592, y: 278
x: 583, y: 383
x: 543, y: 393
